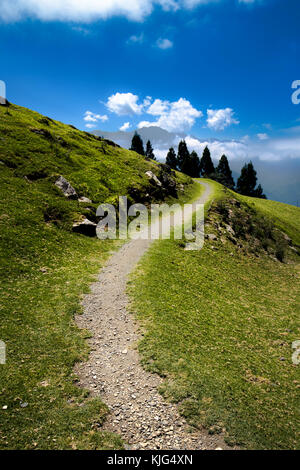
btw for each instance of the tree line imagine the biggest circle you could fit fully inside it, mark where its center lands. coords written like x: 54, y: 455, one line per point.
x: 190, y: 164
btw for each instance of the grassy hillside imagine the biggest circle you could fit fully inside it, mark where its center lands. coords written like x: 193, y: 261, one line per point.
x: 219, y: 324
x: 44, y: 270
x: 285, y: 216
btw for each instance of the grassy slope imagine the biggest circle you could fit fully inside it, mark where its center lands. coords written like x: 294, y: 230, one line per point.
x: 218, y: 325
x: 44, y: 269
x: 286, y: 217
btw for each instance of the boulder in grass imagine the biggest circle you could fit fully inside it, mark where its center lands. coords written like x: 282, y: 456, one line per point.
x: 66, y: 188
x: 153, y: 178
x: 85, y: 199
x: 85, y: 227
x: 211, y: 237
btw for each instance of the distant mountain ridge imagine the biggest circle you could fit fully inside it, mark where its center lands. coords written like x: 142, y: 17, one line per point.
x: 159, y: 137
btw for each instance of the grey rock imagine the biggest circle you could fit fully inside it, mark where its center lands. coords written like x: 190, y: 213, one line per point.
x: 66, y: 188
x: 84, y: 199
x: 287, y: 238
x: 211, y: 236
x: 85, y: 227
x: 152, y: 177
x: 230, y: 229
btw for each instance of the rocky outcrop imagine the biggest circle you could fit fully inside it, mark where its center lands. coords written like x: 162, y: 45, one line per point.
x: 153, y: 178
x: 167, y: 177
x: 85, y: 227
x: 43, y: 133
x: 66, y: 188
x: 249, y: 230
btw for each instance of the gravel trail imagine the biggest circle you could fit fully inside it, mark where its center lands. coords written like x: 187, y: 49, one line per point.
x: 113, y: 372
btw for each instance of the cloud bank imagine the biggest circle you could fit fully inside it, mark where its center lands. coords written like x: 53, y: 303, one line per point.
x: 91, y: 10
x: 176, y: 116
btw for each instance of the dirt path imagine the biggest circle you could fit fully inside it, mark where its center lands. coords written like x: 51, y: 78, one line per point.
x: 138, y: 412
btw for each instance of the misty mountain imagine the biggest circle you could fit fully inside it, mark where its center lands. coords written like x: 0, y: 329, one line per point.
x: 160, y: 138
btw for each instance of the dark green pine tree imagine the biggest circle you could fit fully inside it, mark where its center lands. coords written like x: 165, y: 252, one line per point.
x: 195, y: 164
x: 259, y: 192
x: 224, y: 174
x: 207, y: 168
x: 137, y: 144
x: 171, y: 159
x: 186, y: 166
x: 191, y: 165
x: 149, y: 151
x: 183, y: 154
x: 247, y: 181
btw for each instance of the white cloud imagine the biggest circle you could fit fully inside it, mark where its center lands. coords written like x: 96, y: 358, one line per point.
x: 136, y: 39
x: 158, y: 107
x: 174, y: 117
x: 75, y: 10
x: 80, y: 29
x: 266, y: 150
x: 234, y: 149
x: 164, y: 43
x: 124, y: 103
x: 125, y: 126
x: 91, y: 10
x: 91, y: 119
x: 190, y: 4
x: 263, y: 136
x: 218, y: 119
x: 147, y: 101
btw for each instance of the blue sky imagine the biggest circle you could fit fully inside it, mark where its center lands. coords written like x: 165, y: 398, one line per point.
x: 215, y: 69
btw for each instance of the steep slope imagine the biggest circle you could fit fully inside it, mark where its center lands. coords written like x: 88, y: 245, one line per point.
x: 219, y: 323
x: 45, y: 268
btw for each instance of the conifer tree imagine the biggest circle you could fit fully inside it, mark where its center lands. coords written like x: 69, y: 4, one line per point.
x: 149, y: 151
x: 259, y: 192
x: 247, y: 180
x: 224, y: 174
x: 246, y: 184
x: 183, y: 154
x: 137, y: 144
x: 207, y: 168
x: 171, y: 159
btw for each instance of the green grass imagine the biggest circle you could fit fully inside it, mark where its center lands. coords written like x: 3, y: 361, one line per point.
x: 217, y: 325
x: 285, y: 216
x: 45, y: 269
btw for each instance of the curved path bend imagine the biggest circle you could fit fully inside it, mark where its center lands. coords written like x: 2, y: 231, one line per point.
x: 137, y: 411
